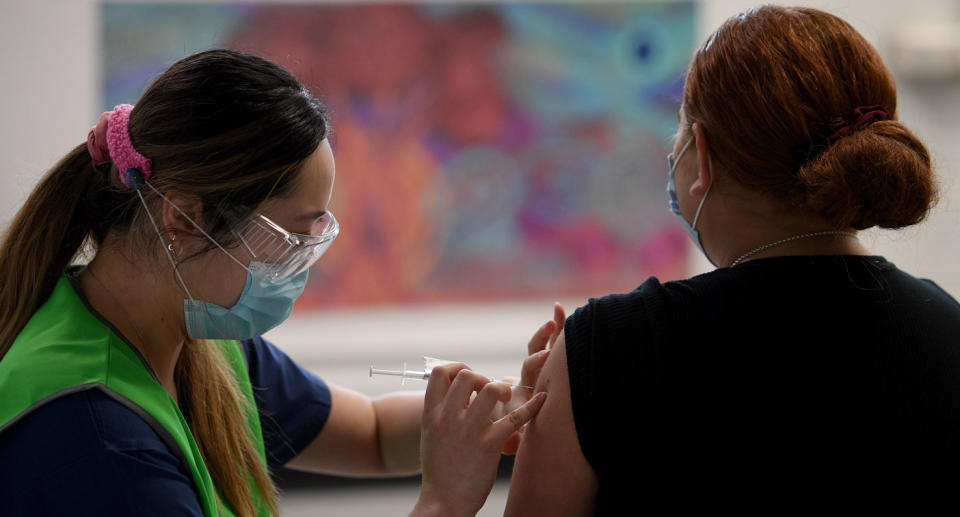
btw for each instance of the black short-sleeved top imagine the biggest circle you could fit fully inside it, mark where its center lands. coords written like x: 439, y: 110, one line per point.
x: 787, y: 378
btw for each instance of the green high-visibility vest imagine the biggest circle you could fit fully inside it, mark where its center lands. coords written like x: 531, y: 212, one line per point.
x: 66, y: 348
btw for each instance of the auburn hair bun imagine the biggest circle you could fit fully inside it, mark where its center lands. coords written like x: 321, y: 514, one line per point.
x: 879, y: 175
x: 782, y: 93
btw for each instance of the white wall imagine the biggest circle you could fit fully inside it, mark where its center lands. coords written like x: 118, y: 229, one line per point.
x: 49, y: 100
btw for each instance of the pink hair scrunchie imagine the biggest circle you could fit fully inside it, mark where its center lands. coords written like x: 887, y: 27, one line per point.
x: 110, y: 141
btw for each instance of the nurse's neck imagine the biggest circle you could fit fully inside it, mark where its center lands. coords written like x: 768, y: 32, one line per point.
x: 138, y: 300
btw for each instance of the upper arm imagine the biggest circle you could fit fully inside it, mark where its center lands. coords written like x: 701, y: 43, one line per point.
x: 551, y: 476
x: 314, y: 426
x: 366, y: 436
x: 348, y: 443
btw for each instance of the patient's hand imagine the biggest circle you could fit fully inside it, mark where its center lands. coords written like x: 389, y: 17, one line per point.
x: 460, y: 445
x: 538, y: 349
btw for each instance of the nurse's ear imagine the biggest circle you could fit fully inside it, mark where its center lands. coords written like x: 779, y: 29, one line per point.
x: 174, y: 221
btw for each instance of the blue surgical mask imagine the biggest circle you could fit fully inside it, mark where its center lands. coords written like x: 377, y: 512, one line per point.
x: 262, y: 306
x: 264, y: 303
x: 675, y: 202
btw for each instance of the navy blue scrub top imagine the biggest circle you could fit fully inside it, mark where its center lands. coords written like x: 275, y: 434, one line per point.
x: 86, y: 454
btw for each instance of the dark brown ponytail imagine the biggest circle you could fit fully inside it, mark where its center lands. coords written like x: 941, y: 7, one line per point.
x: 43, y: 238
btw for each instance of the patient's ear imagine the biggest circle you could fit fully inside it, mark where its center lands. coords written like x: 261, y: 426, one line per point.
x: 704, y: 168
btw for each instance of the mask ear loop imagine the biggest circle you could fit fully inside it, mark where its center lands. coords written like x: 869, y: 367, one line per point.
x: 700, y: 207
x: 195, y: 225
x: 173, y: 262
x: 704, y: 198
x: 166, y: 249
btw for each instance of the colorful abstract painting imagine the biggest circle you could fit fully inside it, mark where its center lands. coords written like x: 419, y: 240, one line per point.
x: 484, y: 152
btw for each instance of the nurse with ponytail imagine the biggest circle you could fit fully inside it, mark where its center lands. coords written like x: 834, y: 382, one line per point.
x: 138, y: 383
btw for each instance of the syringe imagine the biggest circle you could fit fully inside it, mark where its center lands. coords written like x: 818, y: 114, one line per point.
x: 405, y: 374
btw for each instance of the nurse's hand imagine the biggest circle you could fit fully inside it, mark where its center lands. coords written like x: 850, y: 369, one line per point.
x: 460, y: 445
x: 538, y: 349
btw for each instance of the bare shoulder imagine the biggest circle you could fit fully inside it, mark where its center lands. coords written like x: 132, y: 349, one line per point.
x: 550, y: 474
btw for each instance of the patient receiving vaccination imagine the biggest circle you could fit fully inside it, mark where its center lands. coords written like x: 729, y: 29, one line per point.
x: 804, y: 368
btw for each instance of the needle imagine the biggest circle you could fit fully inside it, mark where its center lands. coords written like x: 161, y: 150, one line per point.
x: 422, y: 375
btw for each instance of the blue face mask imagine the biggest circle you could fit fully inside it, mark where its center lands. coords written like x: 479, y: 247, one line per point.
x: 265, y: 302
x: 262, y: 306
x: 675, y: 202
x: 272, y: 285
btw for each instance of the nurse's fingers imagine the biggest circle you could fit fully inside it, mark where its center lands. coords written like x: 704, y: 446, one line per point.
x: 532, y: 366
x: 465, y: 383
x: 482, y: 406
x: 503, y: 428
x: 441, y: 378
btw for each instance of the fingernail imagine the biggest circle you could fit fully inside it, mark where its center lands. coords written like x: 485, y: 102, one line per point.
x: 543, y: 354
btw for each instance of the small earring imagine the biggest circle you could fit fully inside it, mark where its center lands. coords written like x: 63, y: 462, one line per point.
x: 174, y: 253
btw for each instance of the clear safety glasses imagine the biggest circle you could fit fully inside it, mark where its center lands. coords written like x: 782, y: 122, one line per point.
x: 282, y: 253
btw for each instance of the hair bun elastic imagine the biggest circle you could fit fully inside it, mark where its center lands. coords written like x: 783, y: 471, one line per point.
x: 866, y: 115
